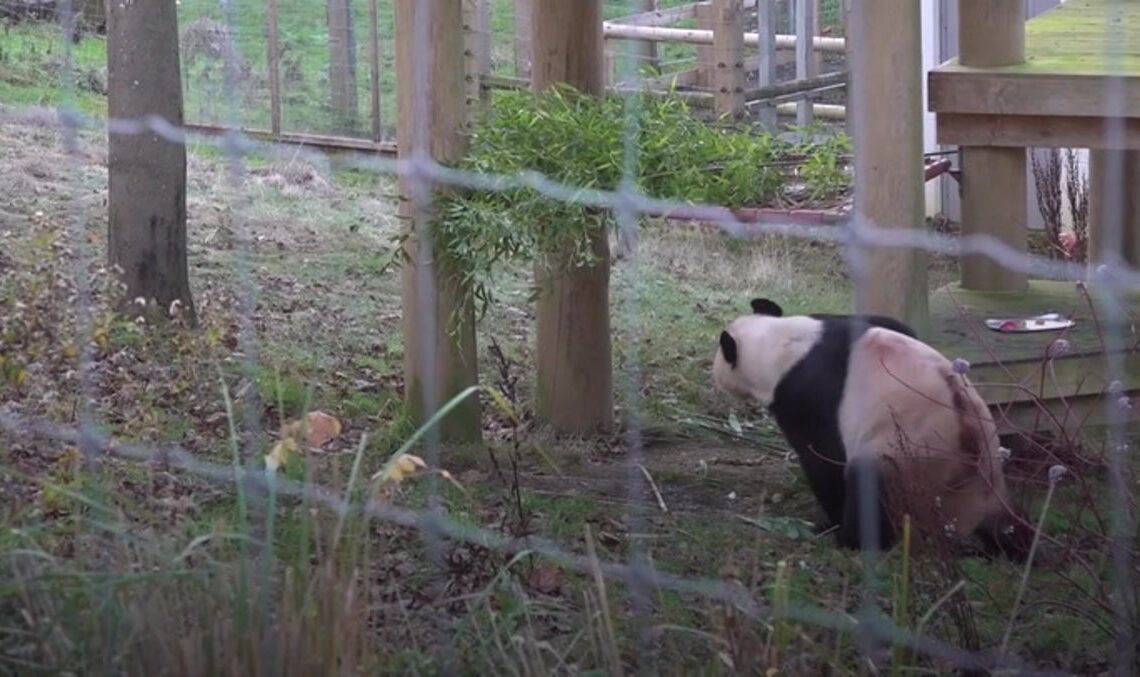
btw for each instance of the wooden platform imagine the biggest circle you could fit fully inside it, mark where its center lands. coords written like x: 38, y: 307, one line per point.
x: 1010, y: 369
x: 1082, y: 60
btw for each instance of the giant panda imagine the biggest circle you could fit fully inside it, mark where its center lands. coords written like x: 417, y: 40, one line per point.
x: 860, y: 399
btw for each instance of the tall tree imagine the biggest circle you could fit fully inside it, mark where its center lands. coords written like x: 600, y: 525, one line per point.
x: 342, y: 63
x: 147, y: 201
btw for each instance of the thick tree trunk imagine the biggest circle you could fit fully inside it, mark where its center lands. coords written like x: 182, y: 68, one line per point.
x: 147, y: 192
x: 342, y: 64
x: 574, y: 353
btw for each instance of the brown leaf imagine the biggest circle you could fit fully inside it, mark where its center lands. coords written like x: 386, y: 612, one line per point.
x: 546, y: 579
x: 319, y: 428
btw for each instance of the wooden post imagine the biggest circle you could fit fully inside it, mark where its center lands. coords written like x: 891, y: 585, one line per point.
x: 1114, y: 226
x: 523, y: 28
x: 992, y: 33
x: 575, y: 373
x: 477, y: 52
x: 374, y: 67
x: 430, y: 116
x: 706, y: 54
x: 728, y: 57
x: 273, y: 63
x: 342, y: 64
x: 807, y: 66
x: 646, y: 50
x: 885, y: 51
x: 766, y: 57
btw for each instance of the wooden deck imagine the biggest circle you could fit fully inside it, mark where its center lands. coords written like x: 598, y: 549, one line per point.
x: 1010, y: 369
x: 1082, y: 60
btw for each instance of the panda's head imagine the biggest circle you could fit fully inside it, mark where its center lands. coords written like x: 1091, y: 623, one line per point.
x: 757, y: 350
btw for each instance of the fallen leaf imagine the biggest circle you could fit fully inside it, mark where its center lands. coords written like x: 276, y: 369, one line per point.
x: 400, y: 468
x: 279, y: 455
x: 319, y: 428
x: 545, y: 579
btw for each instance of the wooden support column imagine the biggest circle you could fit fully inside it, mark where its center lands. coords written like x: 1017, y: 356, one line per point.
x: 807, y: 60
x: 477, y: 50
x: 766, y: 58
x: 1114, y: 205
x: 646, y: 50
x: 574, y: 353
x: 885, y: 51
x: 991, y: 33
x: 728, y: 57
x: 523, y: 29
x: 273, y: 64
x: 430, y: 117
x: 704, y: 77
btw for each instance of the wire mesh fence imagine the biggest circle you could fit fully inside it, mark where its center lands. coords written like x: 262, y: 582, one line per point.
x: 317, y: 568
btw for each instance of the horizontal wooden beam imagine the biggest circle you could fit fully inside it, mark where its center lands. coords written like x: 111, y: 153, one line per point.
x: 697, y: 36
x: 957, y: 89
x: 1036, y: 131
x: 805, y: 85
x: 322, y: 141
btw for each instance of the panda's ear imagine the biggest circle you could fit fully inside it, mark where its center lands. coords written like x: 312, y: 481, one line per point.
x: 728, y: 347
x: 767, y: 307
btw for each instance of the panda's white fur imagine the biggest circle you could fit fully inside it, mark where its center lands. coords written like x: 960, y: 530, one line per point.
x: 857, y: 395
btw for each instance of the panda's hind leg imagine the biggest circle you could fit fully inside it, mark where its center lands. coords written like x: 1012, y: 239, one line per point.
x: 866, y: 520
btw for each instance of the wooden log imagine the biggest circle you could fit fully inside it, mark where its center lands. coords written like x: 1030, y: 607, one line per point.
x: 728, y: 57
x: 573, y: 352
x: 886, y: 96
x: 991, y: 33
x: 439, y: 356
x: 697, y: 36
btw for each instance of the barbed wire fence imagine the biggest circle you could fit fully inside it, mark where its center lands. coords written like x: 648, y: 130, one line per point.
x: 1114, y: 280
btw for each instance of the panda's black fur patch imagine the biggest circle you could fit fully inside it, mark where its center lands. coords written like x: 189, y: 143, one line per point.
x: 728, y: 348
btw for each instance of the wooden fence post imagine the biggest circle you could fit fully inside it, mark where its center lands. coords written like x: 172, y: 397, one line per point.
x: 728, y: 57
x: 429, y: 90
x: 477, y: 53
x: 573, y: 352
x: 524, y: 14
x: 886, y: 99
x: 273, y: 64
x: 807, y: 65
x: 766, y: 58
x: 373, y: 68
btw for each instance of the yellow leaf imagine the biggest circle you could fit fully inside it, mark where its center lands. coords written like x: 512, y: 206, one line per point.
x: 280, y: 454
x: 400, y: 468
